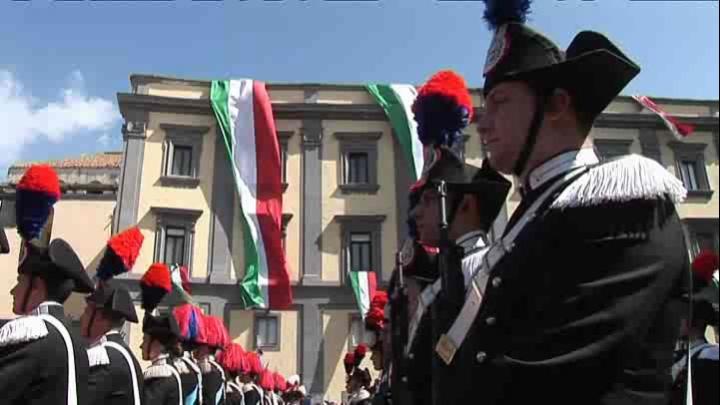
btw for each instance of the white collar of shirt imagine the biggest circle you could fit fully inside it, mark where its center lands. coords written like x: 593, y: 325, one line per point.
x: 44, y: 307
x: 558, y: 165
x: 160, y: 360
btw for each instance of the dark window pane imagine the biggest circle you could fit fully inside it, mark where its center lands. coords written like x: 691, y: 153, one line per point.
x: 267, y: 331
x: 357, y: 167
x: 689, y: 175
x: 360, y: 252
x: 175, y: 246
x: 182, y: 161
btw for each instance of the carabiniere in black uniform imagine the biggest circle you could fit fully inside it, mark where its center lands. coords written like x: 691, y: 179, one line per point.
x: 42, y: 360
x: 574, y: 305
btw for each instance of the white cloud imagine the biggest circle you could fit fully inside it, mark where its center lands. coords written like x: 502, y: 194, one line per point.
x: 104, y: 140
x: 25, y: 121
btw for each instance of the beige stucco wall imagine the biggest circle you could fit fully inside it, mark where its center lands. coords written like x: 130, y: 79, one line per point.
x: 344, y: 97
x: 336, y: 343
x: 285, y: 360
x: 336, y: 203
x: 85, y: 224
x: 170, y: 90
x: 153, y: 194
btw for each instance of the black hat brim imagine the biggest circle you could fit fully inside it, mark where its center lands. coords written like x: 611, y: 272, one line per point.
x: 594, y: 78
x: 69, y: 264
x: 115, y: 298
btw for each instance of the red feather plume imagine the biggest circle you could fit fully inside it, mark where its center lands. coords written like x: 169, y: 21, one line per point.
x: 280, y: 382
x: 705, y: 265
x: 359, y: 354
x: 349, y: 363
x: 126, y: 246
x: 41, y: 178
x: 231, y: 358
x: 254, y: 363
x: 158, y: 275
x: 380, y: 299
x: 450, y: 85
x: 267, y: 381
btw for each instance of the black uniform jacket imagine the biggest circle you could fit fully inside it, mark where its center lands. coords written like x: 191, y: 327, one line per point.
x: 234, y: 395
x: 190, y: 378
x: 162, y: 384
x: 111, y: 381
x: 34, y: 360
x: 584, y: 308
x: 253, y: 394
x: 213, y: 382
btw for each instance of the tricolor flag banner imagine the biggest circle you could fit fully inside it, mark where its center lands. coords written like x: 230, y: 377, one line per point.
x: 180, y: 277
x: 244, y: 113
x: 397, y: 100
x: 678, y: 129
x: 364, y: 285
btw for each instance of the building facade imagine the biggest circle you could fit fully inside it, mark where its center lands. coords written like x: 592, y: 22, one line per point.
x: 344, y: 204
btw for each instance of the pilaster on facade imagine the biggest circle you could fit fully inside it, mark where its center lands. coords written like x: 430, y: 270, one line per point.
x: 311, y: 202
x: 134, y: 135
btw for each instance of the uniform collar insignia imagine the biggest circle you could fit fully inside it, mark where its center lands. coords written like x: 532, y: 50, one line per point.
x: 559, y: 165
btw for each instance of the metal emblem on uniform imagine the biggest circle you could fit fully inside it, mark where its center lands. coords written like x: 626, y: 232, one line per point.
x: 407, y: 253
x: 498, y: 49
x: 446, y: 349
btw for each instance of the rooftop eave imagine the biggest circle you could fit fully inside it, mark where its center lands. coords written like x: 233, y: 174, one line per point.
x: 132, y: 103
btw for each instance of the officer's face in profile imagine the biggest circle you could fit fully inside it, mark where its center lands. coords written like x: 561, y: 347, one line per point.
x: 27, y: 294
x: 93, y: 322
x: 505, y: 123
x: 427, y: 217
x: 151, y: 348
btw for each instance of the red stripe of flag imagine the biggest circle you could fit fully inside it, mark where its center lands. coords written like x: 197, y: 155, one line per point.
x: 269, y: 198
x: 680, y: 130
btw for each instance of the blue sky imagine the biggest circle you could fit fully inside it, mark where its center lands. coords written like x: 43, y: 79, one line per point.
x: 62, y: 62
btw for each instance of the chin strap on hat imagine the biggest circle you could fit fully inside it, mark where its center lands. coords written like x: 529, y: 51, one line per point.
x: 540, y: 107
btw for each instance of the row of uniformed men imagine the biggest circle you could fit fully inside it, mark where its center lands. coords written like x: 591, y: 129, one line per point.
x: 43, y: 360
x: 579, y: 299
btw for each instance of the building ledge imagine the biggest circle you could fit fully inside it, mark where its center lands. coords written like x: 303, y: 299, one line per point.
x: 179, y: 181
x: 701, y: 194
x: 359, y: 188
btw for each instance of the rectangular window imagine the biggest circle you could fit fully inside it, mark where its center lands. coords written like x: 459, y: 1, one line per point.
x: 688, y: 173
x: 357, y: 168
x: 175, y: 246
x: 182, y: 161
x: 266, y: 331
x: 360, y: 252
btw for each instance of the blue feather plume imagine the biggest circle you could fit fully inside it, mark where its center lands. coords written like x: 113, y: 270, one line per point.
x: 32, y: 210
x: 110, y: 266
x: 499, y: 12
x: 440, y: 121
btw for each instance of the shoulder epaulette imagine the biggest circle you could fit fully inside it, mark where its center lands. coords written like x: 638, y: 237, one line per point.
x: 97, y: 356
x: 158, y: 371
x: 629, y: 178
x: 22, y: 330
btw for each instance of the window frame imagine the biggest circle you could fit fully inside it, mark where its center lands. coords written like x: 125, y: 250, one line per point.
x: 693, y: 152
x: 615, y: 148
x: 278, y: 330
x: 175, y: 218
x: 371, y: 224
x: 364, y: 143
x: 186, y: 136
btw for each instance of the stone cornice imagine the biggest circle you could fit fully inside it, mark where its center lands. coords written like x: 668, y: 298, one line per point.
x: 364, y: 112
